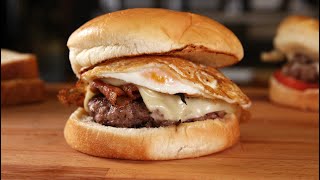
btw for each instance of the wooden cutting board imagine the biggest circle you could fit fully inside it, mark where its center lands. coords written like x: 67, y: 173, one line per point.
x: 277, y: 143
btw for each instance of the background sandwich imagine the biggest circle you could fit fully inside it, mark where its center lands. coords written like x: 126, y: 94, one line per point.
x: 20, y: 81
x: 296, y: 84
x: 144, y: 90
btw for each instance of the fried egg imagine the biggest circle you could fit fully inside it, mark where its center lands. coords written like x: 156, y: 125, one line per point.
x: 169, y: 76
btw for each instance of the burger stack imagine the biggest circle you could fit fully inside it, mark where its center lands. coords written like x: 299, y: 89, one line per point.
x: 149, y: 89
x: 296, y: 43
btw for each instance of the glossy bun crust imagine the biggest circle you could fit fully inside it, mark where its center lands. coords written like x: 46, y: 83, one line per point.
x: 144, y: 31
x: 298, y: 35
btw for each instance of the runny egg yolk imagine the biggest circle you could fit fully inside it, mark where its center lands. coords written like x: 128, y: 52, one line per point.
x: 155, y: 77
x: 158, y: 76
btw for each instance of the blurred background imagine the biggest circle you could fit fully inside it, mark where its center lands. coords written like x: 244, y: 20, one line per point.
x: 43, y: 28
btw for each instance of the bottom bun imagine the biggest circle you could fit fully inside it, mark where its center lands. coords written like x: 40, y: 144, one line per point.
x: 186, y: 140
x: 284, y: 95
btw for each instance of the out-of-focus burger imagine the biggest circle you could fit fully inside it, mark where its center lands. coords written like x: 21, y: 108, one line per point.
x: 144, y: 90
x: 296, y: 84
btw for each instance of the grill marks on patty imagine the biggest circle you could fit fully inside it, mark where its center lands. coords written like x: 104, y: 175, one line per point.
x: 120, y: 106
x: 302, y: 68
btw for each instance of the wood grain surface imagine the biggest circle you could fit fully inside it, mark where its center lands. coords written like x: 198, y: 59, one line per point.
x: 277, y: 143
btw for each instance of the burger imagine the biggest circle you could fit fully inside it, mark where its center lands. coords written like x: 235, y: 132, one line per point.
x: 148, y: 88
x: 296, y: 84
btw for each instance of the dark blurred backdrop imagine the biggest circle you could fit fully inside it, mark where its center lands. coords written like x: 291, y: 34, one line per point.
x: 43, y: 28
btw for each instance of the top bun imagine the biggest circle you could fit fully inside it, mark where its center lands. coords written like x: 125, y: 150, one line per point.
x: 298, y: 35
x: 144, y: 31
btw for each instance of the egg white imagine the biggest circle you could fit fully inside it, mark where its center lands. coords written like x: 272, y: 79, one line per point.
x: 171, y: 86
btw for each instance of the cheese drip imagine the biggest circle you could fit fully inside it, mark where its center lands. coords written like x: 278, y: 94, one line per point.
x: 172, y: 108
x: 88, y: 96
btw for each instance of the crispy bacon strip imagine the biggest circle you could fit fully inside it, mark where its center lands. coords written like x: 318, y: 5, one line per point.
x: 117, y: 96
x: 109, y: 91
x: 131, y: 90
x: 73, y: 96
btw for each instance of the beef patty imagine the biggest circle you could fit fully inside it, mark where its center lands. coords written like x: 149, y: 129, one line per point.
x: 302, y: 68
x: 132, y: 115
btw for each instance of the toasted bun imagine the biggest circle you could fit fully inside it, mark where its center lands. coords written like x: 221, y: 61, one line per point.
x: 21, y: 91
x: 144, y: 31
x: 175, y: 142
x: 281, y: 94
x: 298, y: 34
x: 15, y: 65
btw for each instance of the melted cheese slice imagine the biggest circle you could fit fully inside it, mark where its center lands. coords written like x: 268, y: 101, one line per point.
x: 87, y: 97
x: 172, y: 108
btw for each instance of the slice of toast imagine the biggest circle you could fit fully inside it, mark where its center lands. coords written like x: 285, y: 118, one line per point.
x: 19, y: 91
x: 20, y: 81
x: 15, y: 65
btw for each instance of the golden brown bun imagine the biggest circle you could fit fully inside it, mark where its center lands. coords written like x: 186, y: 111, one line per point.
x: 298, y: 34
x: 144, y: 31
x: 208, y: 82
x: 19, y: 91
x: 176, y: 142
x: 16, y: 65
x: 281, y: 94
